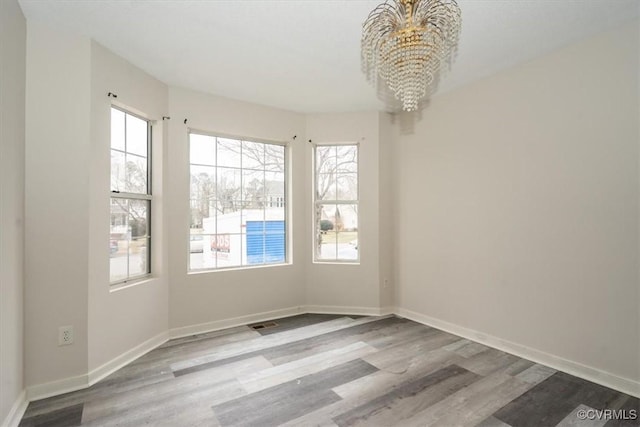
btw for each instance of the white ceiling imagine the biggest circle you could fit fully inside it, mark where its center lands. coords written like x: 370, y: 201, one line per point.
x: 304, y: 55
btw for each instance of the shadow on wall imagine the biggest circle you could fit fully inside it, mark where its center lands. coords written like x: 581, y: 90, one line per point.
x: 406, y: 120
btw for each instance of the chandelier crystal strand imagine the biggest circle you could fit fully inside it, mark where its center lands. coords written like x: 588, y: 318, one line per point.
x: 408, y: 44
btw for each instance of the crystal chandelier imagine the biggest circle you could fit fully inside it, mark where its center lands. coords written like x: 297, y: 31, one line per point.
x: 406, y: 44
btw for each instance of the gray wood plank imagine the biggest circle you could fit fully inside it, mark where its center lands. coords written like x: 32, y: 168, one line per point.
x: 452, y: 404
x: 409, y: 398
x: 629, y: 405
x: 290, y: 400
x: 573, y: 420
x: 489, y: 361
x: 369, y: 387
x: 470, y: 349
x: 553, y: 399
x: 536, y: 374
x: 492, y: 422
x: 64, y: 417
x: 407, y: 351
x: 472, y: 410
x: 275, y: 343
x: 162, y: 394
x: 391, y: 332
x: 294, y: 322
x: 270, y: 377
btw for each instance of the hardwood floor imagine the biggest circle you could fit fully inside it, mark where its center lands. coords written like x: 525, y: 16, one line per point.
x: 324, y: 370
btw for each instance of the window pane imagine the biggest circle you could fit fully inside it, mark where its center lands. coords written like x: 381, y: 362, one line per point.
x: 138, y: 257
x: 203, y: 192
x: 118, y: 261
x: 274, y: 158
x: 326, y: 186
x: 201, y: 253
x: 274, y: 247
x: 228, y: 152
x: 228, y: 190
x: 118, y: 171
x: 119, y: 218
x: 136, y: 136
x: 347, y: 245
x: 255, y: 242
x: 117, y: 129
x: 253, y: 189
x: 337, y: 232
x: 274, y: 189
x: 136, y: 174
x: 139, y: 218
x: 119, y: 240
x: 202, y: 149
x: 227, y: 249
x: 325, y: 231
x: 326, y: 159
x: 347, y: 187
x: 252, y: 155
x: 347, y: 159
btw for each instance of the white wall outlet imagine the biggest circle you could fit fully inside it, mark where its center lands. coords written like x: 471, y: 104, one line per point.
x: 65, y: 335
x: 386, y: 283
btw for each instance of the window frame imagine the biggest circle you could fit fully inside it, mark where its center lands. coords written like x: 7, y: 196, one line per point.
x: 286, y: 172
x: 148, y: 197
x: 316, y: 203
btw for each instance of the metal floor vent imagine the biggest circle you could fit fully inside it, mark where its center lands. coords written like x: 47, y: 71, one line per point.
x: 264, y: 325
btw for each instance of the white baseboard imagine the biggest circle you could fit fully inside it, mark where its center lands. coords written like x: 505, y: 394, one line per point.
x: 556, y: 362
x: 66, y: 385
x: 217, y: 325
x: 125, y: 358
x: 54, y: 388
x: 16, y: 412
x: 346, y: 310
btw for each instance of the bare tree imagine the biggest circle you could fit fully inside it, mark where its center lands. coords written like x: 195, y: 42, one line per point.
x: 135, y: 181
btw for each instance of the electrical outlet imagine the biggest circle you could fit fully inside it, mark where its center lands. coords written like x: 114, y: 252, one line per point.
x: 386, y: 283
x: 65, y: 335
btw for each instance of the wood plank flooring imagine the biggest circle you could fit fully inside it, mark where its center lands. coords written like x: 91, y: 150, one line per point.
x: 326, y: 370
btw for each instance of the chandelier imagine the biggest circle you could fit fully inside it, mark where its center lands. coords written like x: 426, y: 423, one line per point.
x: 406, y: 44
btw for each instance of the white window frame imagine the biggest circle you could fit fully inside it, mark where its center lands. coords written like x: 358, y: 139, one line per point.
x: 135, y: 196
x: 317, y: 203
x: 284, y: 202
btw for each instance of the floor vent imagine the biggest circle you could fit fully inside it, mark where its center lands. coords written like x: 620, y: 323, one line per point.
x: 264, y: 325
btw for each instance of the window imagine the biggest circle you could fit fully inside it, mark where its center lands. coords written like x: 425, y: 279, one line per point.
x: 336, y: 203
x: 238, y: 203
x: 130, y: 197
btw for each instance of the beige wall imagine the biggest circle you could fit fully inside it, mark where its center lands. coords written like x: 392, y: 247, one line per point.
x: 56, y: 202
x: 210, y: 296
x: 517, y: 205
x: 347, y: 285
x: 12, y: 88
x: 121, y: 319
x: 386, y: 238
x: 67, y: 210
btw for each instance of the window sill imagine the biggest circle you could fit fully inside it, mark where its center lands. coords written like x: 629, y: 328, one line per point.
x: 239, y: 268
x: 115, y: 287
x: 336, y: 262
